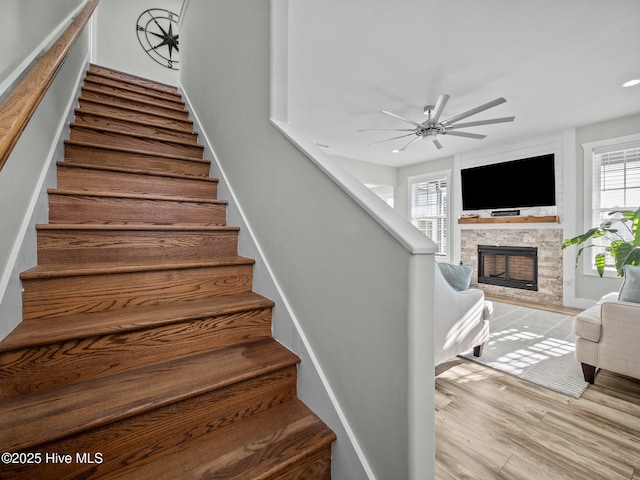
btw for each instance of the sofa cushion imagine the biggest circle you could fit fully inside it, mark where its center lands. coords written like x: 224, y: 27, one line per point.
x: 587, y: 324
x: 630, y: 291
x: 458, y: 276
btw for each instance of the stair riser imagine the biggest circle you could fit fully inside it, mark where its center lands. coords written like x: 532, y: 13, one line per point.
x: 58, y: 297
x: 313, y: 467
x: 89, y: 246
x: 41, y: 369
x: 94, y: 80
x: 95, y: 120
x: 89, y: 106
x: 156, y: 431
x: 86, y: 179
x: 130, y: 79
x: 133, y: 95
x: 89, y: 135
x: 109, y: 210
x: 136, y: 104
x: 114, y: 158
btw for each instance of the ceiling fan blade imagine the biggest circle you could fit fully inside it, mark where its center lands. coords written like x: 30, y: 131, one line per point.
x: 399, y: 117
x: 464, y: 134
x: 481, y: 122
x: 402, y: 149
x: 394, y: 138
x: 473, y: 111
x: 387, y: 130
x: 437, y: 143
x: 438, y: 109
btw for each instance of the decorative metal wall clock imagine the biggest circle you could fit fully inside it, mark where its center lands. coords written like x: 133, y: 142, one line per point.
x: 155, y: 29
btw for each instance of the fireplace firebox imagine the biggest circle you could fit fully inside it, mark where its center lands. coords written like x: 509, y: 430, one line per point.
x: 515, y: 267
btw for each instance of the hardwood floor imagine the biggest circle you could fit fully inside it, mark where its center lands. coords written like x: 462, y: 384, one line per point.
x: 537, y: 305
x: 490, y: 425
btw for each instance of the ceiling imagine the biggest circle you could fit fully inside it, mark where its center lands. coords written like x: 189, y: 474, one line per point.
x: 558, y: 63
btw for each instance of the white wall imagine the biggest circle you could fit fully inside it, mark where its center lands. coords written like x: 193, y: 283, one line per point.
x: 117, y: 44
x: 27, y: 171
x: 344, y: 276
x: 25, y: 24
x: 369, y: 173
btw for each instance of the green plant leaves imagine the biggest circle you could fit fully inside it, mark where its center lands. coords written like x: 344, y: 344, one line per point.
x: 624, y: 252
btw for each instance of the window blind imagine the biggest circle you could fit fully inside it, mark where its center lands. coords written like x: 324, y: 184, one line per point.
x: 616, y: 185
x: 617, y: 180
x: 429, y: 209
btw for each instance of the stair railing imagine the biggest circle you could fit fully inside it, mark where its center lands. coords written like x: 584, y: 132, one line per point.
x: 22, y: 102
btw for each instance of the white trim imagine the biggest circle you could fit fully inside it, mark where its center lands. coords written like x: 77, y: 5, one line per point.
x: 449, y: 215
x: 93, y: 37
x: 16, y: 75
x: 307, y: 346
x: 26, y: 222
x: 569, y: 225
x: 588, y: 268
x: 183, y: 10
x: 279, y: 85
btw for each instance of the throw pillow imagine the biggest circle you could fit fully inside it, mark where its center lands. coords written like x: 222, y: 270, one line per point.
x: 458, y: 276
x: 630, y: 291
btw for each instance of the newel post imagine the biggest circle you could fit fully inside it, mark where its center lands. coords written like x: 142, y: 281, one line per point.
x: 421, y: 395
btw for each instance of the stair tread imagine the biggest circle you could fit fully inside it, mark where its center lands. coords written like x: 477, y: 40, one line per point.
x: 136, y: 227
x: 133, y: 108
x: 112, y: 117
x: 105, y: 268
x: 135, y: 150
x: 130, y: 88
x: 259, y: 448
x: 137, y: 171
x: 135, y: 196
x: 121, y: 96
x: 127, y: 77
x: 136, y: 135
x: 44, y: 331
x: 40, y: 418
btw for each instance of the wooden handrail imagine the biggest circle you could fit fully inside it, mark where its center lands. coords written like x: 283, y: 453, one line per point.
x: 20, y: 105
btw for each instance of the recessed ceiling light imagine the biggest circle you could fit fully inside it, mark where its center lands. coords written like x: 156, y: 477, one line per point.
x: 395, y: 151
x: 631, y: 83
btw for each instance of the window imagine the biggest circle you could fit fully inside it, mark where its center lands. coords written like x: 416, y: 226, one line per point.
x: 612, y: 180
x: 428, y: 207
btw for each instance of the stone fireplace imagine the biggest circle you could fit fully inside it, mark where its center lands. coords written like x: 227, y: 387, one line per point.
x: 547, y: 243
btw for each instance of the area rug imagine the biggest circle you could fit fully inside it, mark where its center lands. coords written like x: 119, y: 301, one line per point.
x: 534, y: 345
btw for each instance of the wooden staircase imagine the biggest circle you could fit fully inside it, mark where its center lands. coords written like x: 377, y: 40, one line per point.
x: 143, y: 351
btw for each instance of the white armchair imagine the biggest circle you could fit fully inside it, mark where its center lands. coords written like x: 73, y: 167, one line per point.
x: 461, y: 320
x: 607, y: 337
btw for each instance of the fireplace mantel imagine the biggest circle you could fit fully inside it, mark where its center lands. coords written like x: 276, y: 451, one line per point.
x: 527, y: 219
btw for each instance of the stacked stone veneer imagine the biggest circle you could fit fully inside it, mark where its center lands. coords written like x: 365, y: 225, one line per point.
x: 548, y: 241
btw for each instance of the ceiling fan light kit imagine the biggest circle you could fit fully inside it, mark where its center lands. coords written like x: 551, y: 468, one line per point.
x: 433, y: 127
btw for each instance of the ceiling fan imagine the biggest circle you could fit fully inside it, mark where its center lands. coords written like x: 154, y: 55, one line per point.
x: 433, y: 127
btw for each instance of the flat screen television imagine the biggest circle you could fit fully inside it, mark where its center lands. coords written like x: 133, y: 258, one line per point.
x: 528, y: 182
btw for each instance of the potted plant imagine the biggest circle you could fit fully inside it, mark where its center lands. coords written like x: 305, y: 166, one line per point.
x: 624, y: 246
